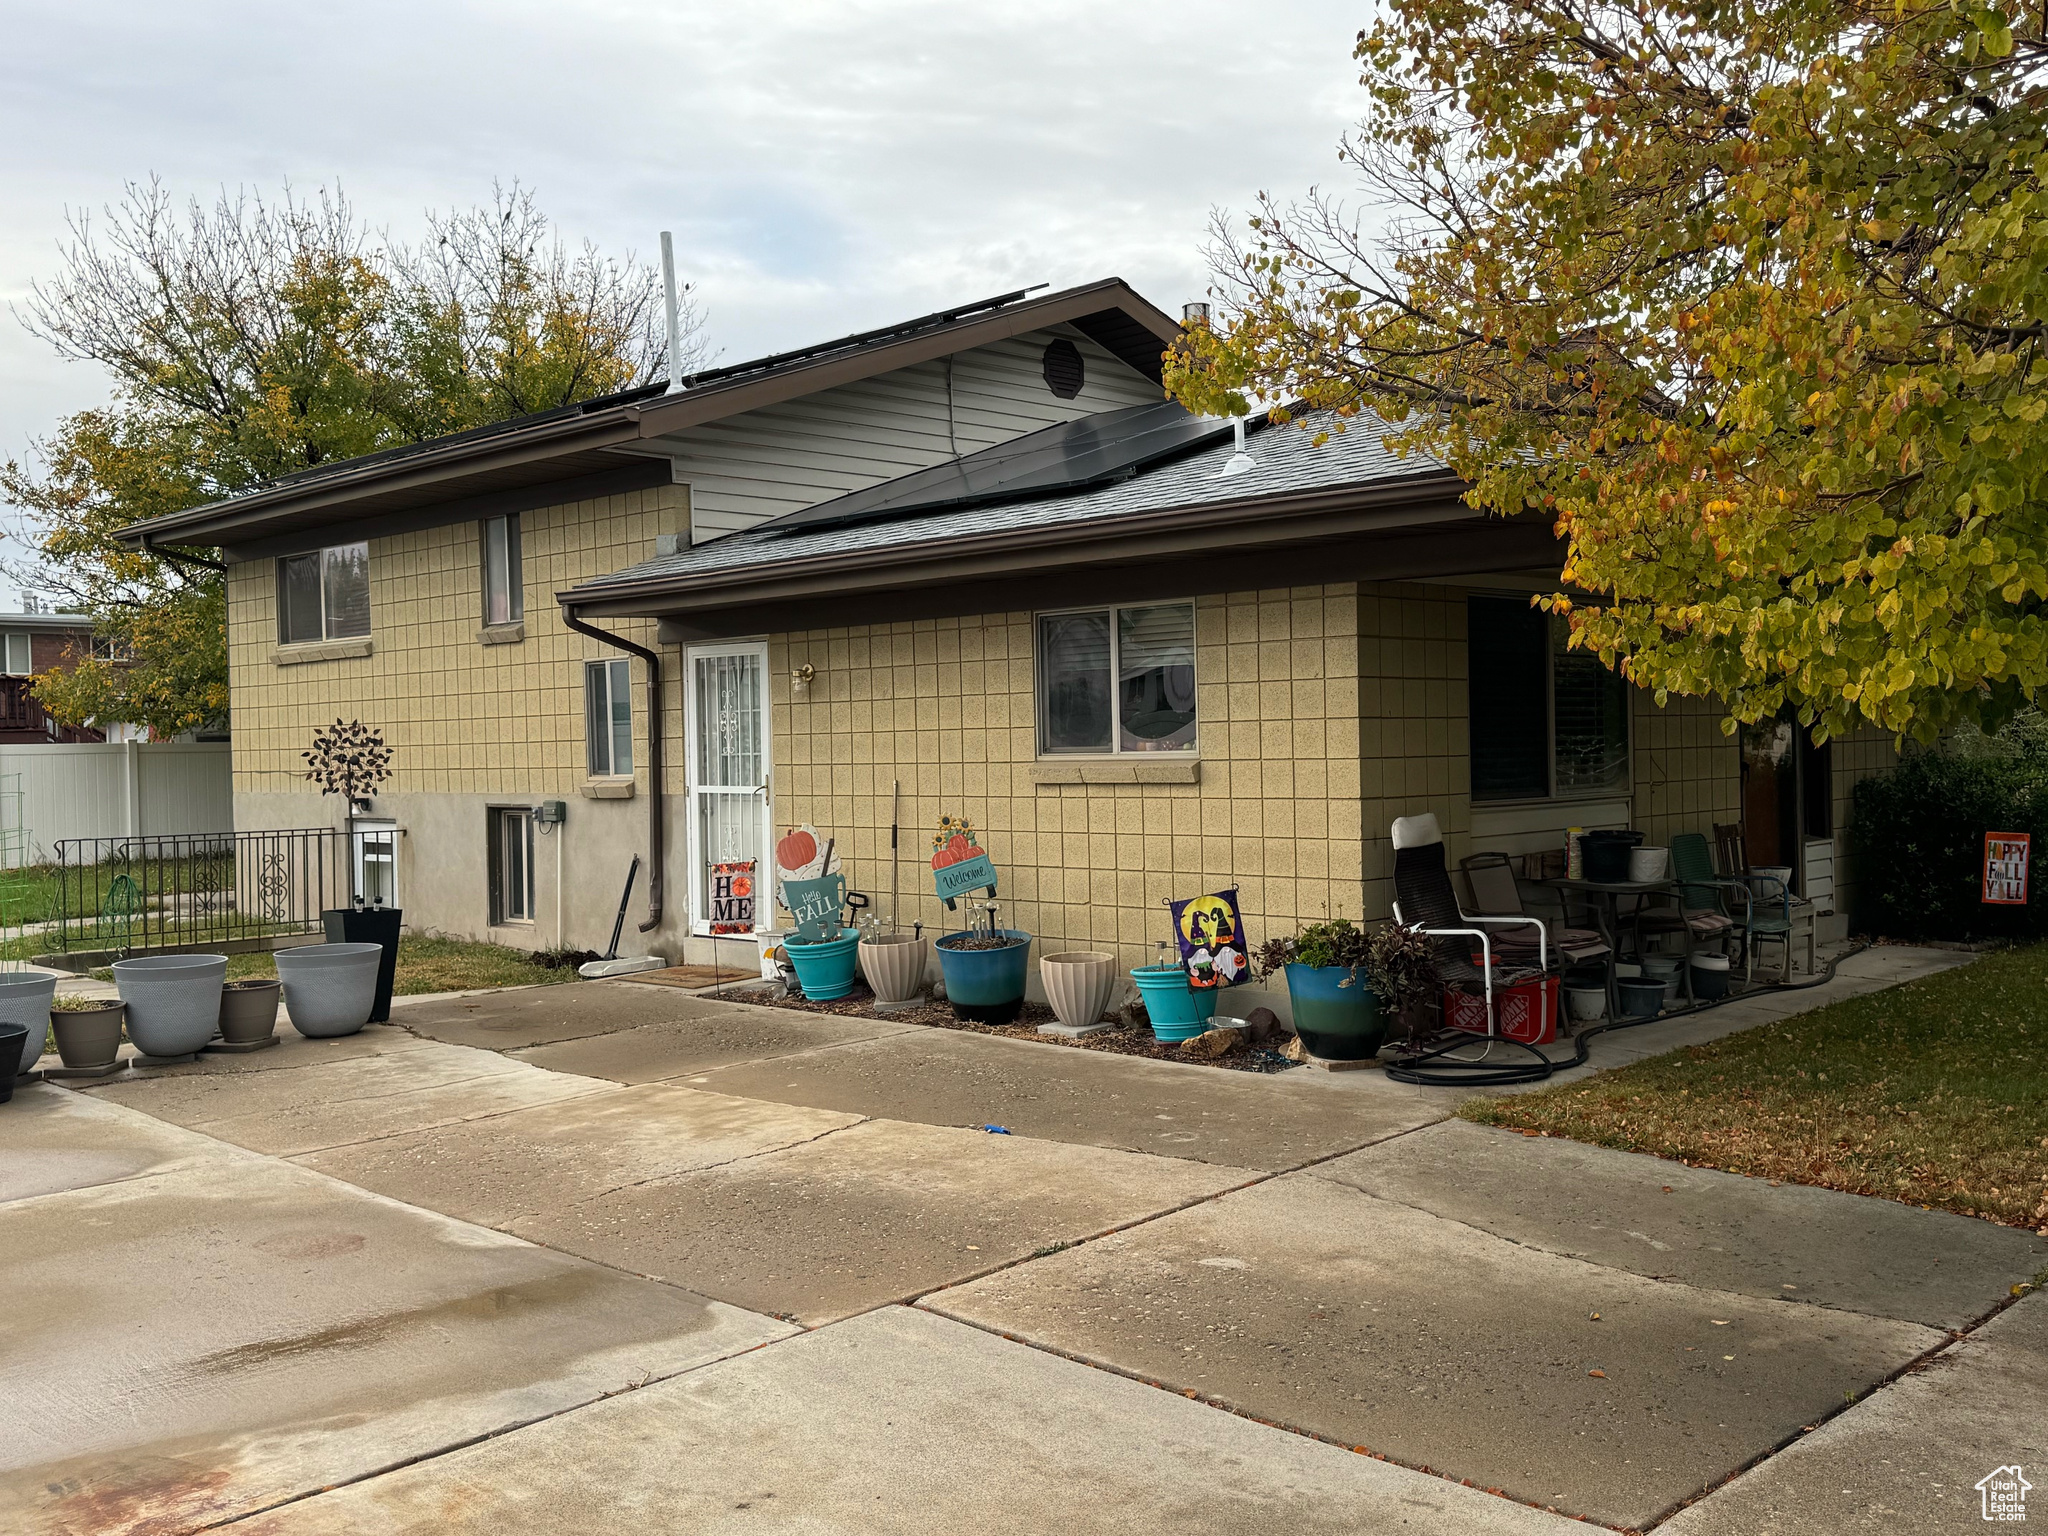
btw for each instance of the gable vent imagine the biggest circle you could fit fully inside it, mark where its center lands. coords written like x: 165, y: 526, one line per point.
x: 1064, y: 372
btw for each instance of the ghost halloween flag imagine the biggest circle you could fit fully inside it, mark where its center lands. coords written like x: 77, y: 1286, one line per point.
x: 1212, y: 942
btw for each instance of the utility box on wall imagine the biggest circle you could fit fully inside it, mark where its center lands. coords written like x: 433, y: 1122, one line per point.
x: 552, y: 813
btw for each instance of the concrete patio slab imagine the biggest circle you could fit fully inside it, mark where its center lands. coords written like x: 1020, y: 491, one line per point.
x: 1905, y: 1461
x: 723, y: 1035
x: 872, y: 1214
x: 196, y: 1345
x: 52, y: 1139
x: 345, y: 1101
x: 1658, y: 1218
x: 505, y: 1021
x: 1315, y: 1305
x: 1093, y: 1098
x: 562, y: 1154
x: 903, y: 1424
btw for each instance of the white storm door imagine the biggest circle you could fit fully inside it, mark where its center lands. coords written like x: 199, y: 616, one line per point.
x: 727, y: 723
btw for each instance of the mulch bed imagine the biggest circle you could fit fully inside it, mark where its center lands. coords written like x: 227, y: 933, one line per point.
x: 1125, y: 1040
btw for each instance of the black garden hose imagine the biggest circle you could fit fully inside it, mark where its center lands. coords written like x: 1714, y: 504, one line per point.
x: 1451, y: 1072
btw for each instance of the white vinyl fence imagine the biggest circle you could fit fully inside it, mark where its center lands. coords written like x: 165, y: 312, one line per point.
x: 120, y: 789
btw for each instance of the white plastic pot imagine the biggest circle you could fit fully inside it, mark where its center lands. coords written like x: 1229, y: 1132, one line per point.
x: 1586, y: 1003
x: 25, y: 1000
x: 173, y: 1001
x: 1078, y: 984
x: 1648, y: 863
x: 329, y: 989
x: 894, y: 966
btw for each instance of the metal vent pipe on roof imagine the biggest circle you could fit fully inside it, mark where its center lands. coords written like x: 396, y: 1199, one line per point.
x: 675, y: 317
x: 1194, y: 314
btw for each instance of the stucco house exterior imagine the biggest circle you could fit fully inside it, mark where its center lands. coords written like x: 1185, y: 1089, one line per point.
x: 969, y: 565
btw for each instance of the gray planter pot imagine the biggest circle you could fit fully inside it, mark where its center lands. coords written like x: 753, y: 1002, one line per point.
x: 173, y: 1001
x: 88, y: 1039
x: 329, y: 989
x: 25, y: 1000
x: 248, y: 1011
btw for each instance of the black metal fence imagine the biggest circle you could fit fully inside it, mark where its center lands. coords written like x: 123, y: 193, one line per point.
x: 134, y: 893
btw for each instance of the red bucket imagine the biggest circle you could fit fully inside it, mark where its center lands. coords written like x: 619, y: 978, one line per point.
x: 1528, y: 1010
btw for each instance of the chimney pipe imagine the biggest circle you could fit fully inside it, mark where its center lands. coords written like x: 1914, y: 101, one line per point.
x: 675, y: 319
x: 1194, y: 314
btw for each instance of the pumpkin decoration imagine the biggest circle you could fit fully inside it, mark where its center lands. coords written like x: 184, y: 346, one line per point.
x: 797, y: 848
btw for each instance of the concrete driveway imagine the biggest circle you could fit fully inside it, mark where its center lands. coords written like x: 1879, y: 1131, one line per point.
x: 608, y: 1257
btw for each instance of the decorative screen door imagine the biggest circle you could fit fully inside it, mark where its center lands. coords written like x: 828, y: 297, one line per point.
x: 727, y: 714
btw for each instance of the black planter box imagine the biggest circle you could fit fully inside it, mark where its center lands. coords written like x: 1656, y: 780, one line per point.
x: 369, y: 925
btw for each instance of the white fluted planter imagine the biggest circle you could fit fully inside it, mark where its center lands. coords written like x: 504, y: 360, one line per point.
x: 1078, y: 984
x: 894, y: 966
x: 25, y: 1000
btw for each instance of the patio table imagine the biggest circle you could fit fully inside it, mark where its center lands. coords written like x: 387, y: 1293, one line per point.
x: 1604, y: 897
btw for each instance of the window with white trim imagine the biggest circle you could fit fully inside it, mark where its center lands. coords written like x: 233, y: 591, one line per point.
x: 511, y: 865
x: 1113, y: 680
x: 324, y: 594
x: 504, y: 594
x: 608, y: 717
x: 20, y: 653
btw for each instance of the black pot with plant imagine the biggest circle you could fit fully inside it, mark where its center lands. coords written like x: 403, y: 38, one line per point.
x: 1402, y: 965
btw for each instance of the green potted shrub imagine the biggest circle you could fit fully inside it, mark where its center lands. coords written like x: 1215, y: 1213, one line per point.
x: 1336, y: 1010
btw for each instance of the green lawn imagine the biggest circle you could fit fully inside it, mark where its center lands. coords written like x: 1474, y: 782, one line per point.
x: 1935, y: 1093
x: 427, y: 964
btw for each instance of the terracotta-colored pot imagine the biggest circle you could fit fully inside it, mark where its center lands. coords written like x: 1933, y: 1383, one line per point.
x: 1078, y: 984
x: 894, y: 966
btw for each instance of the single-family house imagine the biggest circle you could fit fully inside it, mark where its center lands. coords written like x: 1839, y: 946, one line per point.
x: 974, y: 565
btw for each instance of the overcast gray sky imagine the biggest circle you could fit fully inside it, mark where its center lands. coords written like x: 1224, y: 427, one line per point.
x: 826, y: 167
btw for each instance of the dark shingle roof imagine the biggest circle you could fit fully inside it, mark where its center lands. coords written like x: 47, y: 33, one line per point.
x: 1289, y: 460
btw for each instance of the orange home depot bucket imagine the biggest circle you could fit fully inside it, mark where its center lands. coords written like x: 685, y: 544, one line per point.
x: 1527, y: 1009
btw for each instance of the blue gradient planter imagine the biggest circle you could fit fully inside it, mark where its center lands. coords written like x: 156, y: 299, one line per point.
x: 825, y: 971
x: 985, y: 986
x: 1177, y: 1010
x: 1335, y: 1011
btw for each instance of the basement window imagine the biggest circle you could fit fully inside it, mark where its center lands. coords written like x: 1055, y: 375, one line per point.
x: 511, y: 830
x: 324, y: 595
x: 1114, y: 680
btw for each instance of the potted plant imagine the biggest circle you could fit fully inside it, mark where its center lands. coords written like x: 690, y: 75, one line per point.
x: 329, y: 989
x: 984, y: 970
x: 88, y: 1031
x: 1401, y: 966
x: 1336, y: 1011
x: 893, y: 964
x: 1175, y: 1009
x: 248, y: 1013
x: 11, y: 1036
x: 173, y: 1003
x: 350, y: 760
x: 1077, y: 985
x: 25, y: 1000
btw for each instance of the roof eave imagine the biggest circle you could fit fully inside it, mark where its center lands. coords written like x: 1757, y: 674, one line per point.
x: 1297, y: 517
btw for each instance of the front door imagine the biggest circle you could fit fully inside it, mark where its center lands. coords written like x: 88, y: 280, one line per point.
x: 727, y: 714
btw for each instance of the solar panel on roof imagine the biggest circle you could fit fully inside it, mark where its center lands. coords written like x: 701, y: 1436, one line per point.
x: 1110, y: 445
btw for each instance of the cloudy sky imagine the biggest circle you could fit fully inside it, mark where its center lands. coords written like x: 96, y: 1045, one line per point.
x: 826, y: 167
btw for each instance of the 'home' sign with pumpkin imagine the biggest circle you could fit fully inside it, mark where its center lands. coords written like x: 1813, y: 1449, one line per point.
x: 813, y: 885
x: 958, y: 864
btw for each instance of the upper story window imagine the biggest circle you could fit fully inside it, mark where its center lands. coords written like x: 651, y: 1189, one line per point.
x: 324, y: 594
x: 1548, y: 722
x: 504, y: 593
x: 1117, y: 679
x: 608, y: 725
x: 18, y: 653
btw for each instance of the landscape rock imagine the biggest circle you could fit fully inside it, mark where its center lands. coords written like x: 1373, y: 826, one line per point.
x: 1264, y: 1026
x: 1214, y: 1043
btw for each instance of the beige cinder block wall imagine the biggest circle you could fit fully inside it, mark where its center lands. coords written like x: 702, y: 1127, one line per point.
x: 1688, y: 772
x: 469, y: 724
x: 946, y: 708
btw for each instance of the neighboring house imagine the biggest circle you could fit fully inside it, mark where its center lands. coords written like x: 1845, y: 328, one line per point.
x: 975, y: 558
x: 31, y: 643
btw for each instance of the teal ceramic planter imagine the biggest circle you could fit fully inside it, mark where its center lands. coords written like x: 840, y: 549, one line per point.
x: 825, y: 971
x: 1335, y: 1011
x: 1177, y: 1010
x: 985, y: 986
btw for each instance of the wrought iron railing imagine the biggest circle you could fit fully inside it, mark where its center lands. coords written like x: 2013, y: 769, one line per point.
x: 139, y: 893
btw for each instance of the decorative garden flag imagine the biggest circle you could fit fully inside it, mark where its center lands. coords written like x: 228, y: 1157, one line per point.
x: 732, y: 897
x: 2005, y: 867
x: 958, y: 864
x: 1212, y: 943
